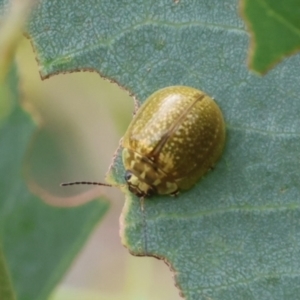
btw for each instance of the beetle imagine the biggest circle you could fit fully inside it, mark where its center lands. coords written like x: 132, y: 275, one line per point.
x: 176, y: 136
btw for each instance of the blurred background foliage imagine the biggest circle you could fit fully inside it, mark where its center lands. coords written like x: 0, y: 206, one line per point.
x: 76, y: 141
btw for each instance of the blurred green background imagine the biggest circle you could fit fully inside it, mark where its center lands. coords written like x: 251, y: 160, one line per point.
x: 82, y: 119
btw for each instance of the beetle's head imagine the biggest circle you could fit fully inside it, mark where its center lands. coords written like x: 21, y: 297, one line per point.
x: 144, y: 178
x: 137, y: 186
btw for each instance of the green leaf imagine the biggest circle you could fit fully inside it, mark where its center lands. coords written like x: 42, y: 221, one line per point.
x: 235, y: 235
x: 39, y: 242
x: 275, y: 31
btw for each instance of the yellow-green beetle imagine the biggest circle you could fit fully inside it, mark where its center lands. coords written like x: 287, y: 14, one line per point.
x: 175, y: 138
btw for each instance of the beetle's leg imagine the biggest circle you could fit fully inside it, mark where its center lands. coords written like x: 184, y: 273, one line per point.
x: 142, y: 200
x: 175, y: 194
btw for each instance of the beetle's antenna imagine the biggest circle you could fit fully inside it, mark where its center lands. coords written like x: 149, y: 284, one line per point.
x: 84, y: 182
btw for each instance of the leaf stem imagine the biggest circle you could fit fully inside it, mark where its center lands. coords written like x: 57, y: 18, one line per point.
x: 6, y: 288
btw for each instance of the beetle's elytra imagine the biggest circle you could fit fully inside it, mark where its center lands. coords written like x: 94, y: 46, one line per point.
x: 176, y: 136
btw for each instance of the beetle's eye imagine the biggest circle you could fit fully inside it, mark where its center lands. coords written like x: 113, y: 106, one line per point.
x: 128, y: 175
